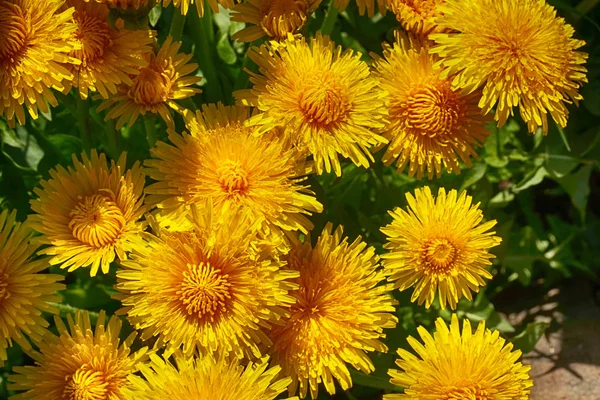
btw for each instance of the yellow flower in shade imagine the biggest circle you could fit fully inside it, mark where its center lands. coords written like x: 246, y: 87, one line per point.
x: 519, y: 51
x: 440, y: 246
x: 364, y: 6
x: 156, y: 88
x: 80, y: 363
x: 108, y: 56
x: 418, y: 16
x: 451, y: 365
x: 198, y: 378
x: 340, y: 311
x: 431, y: 126
x: 36, y: 38
x: 272, y: 18
x: 206, y: 290
x: 222, y: 159
x: 24, y: 291
x: 128, y: 3
x: 325, y: 99
x: 89, y: 213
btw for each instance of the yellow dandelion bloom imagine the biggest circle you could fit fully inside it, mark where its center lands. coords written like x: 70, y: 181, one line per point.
x: 324, y: 97
x: 24, y: 291
x: 89, y: 213
x: 519, y: 51
x: 418, y: 16
x: 108, y: 56
x: 36, y: 38
x: 80, y: 363
x: 367, y: 6
x: 430, y: 125
x: 184, y: 5
x: 451, y: 365
x: 440, y: 246
x: 196, y: 378
x: 272, y: 18
x: 222, y: 159
x: 339, y: 314
x: 155, y: 88
x: 205, y: 290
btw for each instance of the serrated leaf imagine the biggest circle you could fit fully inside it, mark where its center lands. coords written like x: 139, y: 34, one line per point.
x: 578, y: 188
x: 530, y: 336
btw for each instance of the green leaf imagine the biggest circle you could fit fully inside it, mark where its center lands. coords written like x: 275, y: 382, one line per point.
x: 526, y: 340
x: 154, y: 15
x: 373, y: 381
x: 578, y: 187
x: 473, y: 175
x: 534, y: 178
x: 65, y: 145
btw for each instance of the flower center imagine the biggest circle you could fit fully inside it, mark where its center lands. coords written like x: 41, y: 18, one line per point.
x: 233, y: 178
x: 97, y: 220
x: 13, y: 32
x: 4, y: 292
x: 86, y: 384
x: 433, y: 110
x: 281, y: 17
x: 439, y: 255
x: 95, y: 38
x: 471, y: 392
x: 205, y: 291
x: 151, y: 86
x: 324, y: 102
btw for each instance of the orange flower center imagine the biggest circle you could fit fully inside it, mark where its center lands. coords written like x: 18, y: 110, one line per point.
x: 324, y: 102
x: 151, y: 86
x: 94, y: 35
x: 86, y: 384
x: 432, y: 111
x: 97, y: 220
x: 439, y: 255
x: 13, y: 32
x: 233, y: 178
x: 205, y: 291
x: 281, y: 17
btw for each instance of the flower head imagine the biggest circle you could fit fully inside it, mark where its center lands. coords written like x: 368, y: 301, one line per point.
x: 519, y: 51
x: 339, y: 313
x: 439, y: 245
x: 451, y: 365
x: 430, y: 125
x: 206, y: 290
x: 325, y: 99
x: 108, y: 56
x: 222, y: 159
x: 418, y: 16
x: 155, y: 88
x: 24, y: 291
x: 272, y: 18
x: 36, y: 38
x: 195, y: 378
x: 80, y: 363
x: 90, y: 212
x: 363, y: 5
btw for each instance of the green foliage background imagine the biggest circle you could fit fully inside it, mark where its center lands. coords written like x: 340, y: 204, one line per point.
x: 542, y: 190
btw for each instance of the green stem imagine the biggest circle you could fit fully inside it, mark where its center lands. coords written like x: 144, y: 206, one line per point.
x: 149, y: 123
x: 203, y: 33
x: 585, y: 6
x: 330, y: 18
x: 65, y: 309
x: 242, y: 79
x: 177, y: 24
x: 82, y: 121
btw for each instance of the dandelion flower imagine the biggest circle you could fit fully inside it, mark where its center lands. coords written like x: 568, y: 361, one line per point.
x: 108, y: 56
x: 184, y: 5
x: 155, y: 88
x: 24, y: 291
x: 418, y: 16
x: 222, y: 159
x: 79, y: 363
x: 195, y: 378
x: 519, y: 51
x: 339, y: 313
x: 440, y: 246
x: 430, y: 125
x: 272, y: 18
x: 451, y: 365
x: 125, y: 4
x: 89, y: 213
x: 36, y: 38
x: 205, y: 290
x: 325, y: 98
x: 363, y: 6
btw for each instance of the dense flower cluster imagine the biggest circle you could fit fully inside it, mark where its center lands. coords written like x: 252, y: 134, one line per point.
x: 219, y: 266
